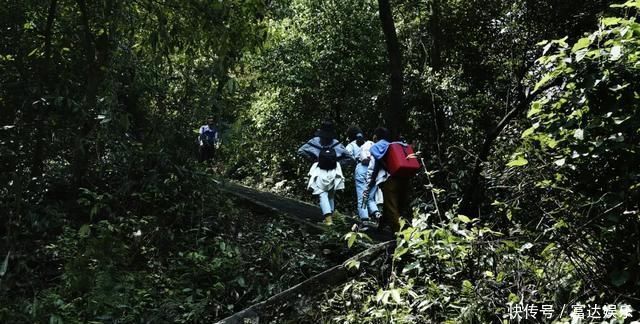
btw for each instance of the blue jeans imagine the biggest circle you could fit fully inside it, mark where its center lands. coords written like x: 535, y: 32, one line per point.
x: 361, y: 183
x: 327, y: 201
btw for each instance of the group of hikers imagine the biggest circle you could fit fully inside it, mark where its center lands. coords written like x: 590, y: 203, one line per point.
x: 382, y: 173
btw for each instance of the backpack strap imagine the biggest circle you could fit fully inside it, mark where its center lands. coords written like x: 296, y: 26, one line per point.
x: 323, y: 147
x: 314, y: 146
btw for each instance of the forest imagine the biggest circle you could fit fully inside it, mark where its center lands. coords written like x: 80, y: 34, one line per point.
x: 524, y: 116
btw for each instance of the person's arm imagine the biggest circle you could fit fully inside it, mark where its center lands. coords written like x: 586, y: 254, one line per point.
x: 372, y: 174
x: 305, y: 151
x: 343, y: 154
x: 200, y: 132
x: 351, y: 150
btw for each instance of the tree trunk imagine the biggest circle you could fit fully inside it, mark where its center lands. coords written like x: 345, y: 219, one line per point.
x: 436, y: 36
x: 472, y: 197
x: 97, y: 52
x: 46, y: 85
x: 396, y: 116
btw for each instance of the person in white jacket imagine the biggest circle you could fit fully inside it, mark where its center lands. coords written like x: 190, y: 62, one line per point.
x: 325, y: 175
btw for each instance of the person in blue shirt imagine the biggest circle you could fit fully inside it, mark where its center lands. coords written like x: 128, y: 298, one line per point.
x: 395, y: 189
x: 208, y: 140
x: 359, y: 148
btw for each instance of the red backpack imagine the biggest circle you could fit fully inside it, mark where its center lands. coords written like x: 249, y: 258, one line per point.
x: 396, y: 162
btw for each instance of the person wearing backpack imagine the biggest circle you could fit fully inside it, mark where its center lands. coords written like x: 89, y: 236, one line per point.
x: 393, y: 164
x: 207, y: 140
x: 359, y: 148
x: 325, y: 175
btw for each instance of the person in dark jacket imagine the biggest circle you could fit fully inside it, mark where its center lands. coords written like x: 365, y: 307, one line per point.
x: 325, y: 175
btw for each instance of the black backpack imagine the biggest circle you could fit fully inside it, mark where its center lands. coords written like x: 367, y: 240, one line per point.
x: 327, y: 158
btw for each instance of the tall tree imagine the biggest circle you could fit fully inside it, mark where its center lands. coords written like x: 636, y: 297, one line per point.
x: 396, y: 115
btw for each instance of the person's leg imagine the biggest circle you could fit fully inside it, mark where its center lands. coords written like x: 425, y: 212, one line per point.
x: 402, y: 186
x: 206, y: 153
x: 391, y: 206
x: 200, y: 153
x: 361, y: 179
x: 372, y: 205
x: 332, y: 200
x: 326, y: 208
x: 325, y: 205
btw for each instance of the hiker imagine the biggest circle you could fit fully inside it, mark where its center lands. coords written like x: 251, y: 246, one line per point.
x: 207, y: 140
x: 325, y: 174
x: 359, y: 149
x: 391, y: 167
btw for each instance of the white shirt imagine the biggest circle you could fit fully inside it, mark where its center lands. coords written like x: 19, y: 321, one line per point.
x: 325, y: 180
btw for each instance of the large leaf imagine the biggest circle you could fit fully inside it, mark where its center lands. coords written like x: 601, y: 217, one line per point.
x: 580, y: 44
x: 519, y: 161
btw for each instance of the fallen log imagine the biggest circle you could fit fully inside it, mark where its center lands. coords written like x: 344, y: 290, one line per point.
x: 328, y: 278
x: 240, y: 192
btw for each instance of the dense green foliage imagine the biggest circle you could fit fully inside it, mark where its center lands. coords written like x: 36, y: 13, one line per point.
x: 526, y: 113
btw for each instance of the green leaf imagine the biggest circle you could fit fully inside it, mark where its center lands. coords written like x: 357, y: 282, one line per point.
x: 542, y: 43
x: 611, y: 21
x: 385, y: 297
x: 519, y: 161
x: 352, y: 239
x: 467, y: 286
x: 395, y: 294
x: 84, y: 231
x: 400, y: 252
x: 464, y: 219
x: 528, y: 131
x: 580, y: 44
x: 536, y: 107
x: 545, y: 79
x: 628, y: 4
x: 352, y: 264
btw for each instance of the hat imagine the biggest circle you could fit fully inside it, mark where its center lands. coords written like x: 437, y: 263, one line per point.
x: 326, y: 130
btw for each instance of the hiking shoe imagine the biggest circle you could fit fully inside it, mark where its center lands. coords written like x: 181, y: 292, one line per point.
x: 366, y: 223
x: 328, y: 220
x: 377, y: 216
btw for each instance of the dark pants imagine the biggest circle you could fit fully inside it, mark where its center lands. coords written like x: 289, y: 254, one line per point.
x: 207, y: 152
x: 396, y: 202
